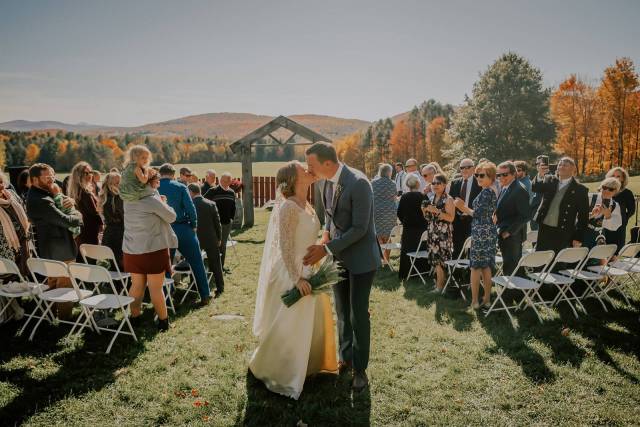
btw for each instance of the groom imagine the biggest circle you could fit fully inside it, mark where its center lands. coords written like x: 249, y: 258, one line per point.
x: 349, y: 236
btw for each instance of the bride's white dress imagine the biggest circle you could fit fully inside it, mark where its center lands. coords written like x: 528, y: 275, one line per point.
x: 295, y: 341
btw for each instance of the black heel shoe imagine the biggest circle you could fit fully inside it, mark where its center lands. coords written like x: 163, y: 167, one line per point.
x: 163, y: 325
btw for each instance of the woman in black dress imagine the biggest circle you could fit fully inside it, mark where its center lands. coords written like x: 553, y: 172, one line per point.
x: 626, y: 200
x: 111, y: 208
x: 413, y: 224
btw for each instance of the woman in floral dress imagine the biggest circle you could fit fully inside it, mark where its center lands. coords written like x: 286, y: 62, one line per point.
x: 439, y: 214
x: 484, y: 234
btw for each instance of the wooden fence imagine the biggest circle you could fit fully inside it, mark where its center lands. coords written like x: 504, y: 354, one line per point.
x: 264, y: 189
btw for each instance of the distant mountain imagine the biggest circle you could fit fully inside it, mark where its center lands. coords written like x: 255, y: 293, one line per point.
x: 227, y: 125
x: 26, y: 125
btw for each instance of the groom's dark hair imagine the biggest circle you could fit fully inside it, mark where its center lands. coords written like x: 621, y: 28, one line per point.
x: 323, y: 151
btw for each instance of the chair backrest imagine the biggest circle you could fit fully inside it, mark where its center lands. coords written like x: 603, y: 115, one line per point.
x: 572, y: 255
x: 396, y: 234
x: 423, y: 238
x: 99, y: 253
x: 465, y: 247
x: 532, y: 237
x: 602, y: 252
x: 535, y: 260
x: 9, y: 267
x: 47, y: 268
x: 91, y: 274
x: 630, y: 250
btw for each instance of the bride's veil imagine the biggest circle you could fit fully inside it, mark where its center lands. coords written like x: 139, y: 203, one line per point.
x: 270, y: 255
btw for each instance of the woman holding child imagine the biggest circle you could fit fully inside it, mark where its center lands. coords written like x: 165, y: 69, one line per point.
x: 148, y: 235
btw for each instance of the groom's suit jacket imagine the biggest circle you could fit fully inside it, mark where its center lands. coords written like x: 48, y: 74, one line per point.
x: 354, y: 242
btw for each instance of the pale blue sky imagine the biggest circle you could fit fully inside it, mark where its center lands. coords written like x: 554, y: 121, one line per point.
x: 130, y: 62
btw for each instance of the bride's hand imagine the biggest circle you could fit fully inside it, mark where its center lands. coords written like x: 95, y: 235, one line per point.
x: 304, y: 287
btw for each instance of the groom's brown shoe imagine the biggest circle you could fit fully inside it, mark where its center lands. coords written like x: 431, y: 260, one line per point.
x: 360, y: 381
x: 344, y: 367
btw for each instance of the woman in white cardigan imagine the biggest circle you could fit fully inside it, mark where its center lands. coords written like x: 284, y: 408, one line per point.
x: 148, y: 236
x: 605, y: 217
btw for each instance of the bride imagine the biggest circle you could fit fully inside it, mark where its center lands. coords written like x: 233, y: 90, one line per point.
x: 296, y: 341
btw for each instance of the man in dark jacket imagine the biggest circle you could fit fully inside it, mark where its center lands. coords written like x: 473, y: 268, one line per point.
x: 209, y: 234
x: 563, y: 214
x: 466, y: 187
x: 225, y: 199
x: 51, y: 226
x: 512, y: 214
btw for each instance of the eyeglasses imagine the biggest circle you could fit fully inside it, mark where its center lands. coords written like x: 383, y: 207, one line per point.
x: 466, y: 167
x: 437, y: 183
x: 608, y: 189
x: 479, y: 175
x: 501, y: 175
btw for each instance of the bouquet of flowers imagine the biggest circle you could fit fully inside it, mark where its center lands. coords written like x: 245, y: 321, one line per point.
x: 326, y: 275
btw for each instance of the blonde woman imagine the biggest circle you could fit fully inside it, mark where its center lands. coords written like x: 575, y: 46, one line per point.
x: 626, y: 199
x: 81, y: 190
x: 484, y: 233
x: 112, y: 210
x: 605, y: 214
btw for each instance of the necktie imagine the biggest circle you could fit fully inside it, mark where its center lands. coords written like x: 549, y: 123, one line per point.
x: 328, y: 198
x: 463, y: 191
x: 504, y: 190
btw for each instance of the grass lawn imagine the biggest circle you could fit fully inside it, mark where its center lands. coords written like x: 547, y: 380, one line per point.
x: 433, y: 361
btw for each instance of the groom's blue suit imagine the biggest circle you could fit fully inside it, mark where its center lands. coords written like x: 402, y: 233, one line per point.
x: 349, y: 220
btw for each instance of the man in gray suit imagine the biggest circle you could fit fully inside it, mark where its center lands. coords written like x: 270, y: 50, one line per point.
x: 349, y: 235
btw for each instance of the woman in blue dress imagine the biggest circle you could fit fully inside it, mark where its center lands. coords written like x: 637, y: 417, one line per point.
x: 484, y: 234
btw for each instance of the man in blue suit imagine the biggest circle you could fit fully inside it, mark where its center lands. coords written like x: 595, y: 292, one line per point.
x: 185, y: 227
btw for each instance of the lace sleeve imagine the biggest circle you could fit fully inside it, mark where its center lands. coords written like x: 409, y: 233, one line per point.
x: 287, y: 223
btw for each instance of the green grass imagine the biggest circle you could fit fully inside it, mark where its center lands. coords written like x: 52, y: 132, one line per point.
x: 433, y: 361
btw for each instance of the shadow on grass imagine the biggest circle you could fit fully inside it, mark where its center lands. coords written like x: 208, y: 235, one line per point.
x: 325, y: 400
x: 82, y: 365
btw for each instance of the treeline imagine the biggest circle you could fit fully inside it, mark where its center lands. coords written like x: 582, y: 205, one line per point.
x: 62, y: 150
x: 511, y: 115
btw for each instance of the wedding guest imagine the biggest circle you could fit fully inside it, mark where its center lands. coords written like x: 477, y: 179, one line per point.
x: 512, y: 214
x: 484, y: 234
x: 51, y: 227
x: 399, y: 178
x: 413, y: 225
x: 563, y: 214
x: 148, y: 237
x: 81, y: 191
x: 111, y: 207
x: 384, y: 205
x: 209, y: 235
x: 467, y: 189
x: 605, y: 216
x: 626, y: 199
x: 411, y: 167
x: 184, y: 227
x: 225, y: 199
x: 14, y: 226
x: 439, y: 213
x: 522, y: 170
x: 536, y: 198
x: 23, y: 184
x: 209, y: 181
x: 428, y: 172
x: 185, y: 175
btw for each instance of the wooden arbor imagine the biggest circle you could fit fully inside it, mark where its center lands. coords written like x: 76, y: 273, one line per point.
x: 244, y: 144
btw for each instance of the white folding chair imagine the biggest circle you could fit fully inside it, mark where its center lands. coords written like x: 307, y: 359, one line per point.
x: 591, y: 279
x: 621, y: 271
x: 114, y: 301
x: 460, y: 263
x: 563, y: 283
x: 393, y: 244
x: 418, y: 254
x: 104, y: 253
x: 529, y: 245
x: 528, y: 287
x: 50, y: 269
x: 16, y: 289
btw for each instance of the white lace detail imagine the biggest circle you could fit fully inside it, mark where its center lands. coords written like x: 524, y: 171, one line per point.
x: 287, y: 224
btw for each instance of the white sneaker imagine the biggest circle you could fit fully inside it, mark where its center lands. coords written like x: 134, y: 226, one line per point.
x: 435, y: 291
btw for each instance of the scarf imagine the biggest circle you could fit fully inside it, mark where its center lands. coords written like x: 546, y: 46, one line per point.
x: 5, y: 220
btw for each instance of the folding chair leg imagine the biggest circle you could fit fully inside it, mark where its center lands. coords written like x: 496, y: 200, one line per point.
x: 591, y: 291
x: 532, y: 305
x: 115, y: 335
x: 48, y: 309
x: 558, y: 298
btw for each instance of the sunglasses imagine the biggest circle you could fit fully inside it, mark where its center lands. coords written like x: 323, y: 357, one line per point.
x: 479, y: 175
x: 425, y: 175
x: 465, y: 167
x: 437, y: 183
x: 501, y: 175
x: 608, y: 189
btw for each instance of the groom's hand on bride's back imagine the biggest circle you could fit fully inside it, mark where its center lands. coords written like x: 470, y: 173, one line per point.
x: 314, y: 254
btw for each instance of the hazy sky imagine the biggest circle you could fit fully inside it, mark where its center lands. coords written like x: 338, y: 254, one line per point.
x: 133, y: 62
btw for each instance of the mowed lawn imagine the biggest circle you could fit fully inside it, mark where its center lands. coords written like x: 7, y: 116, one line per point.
x: 433, y: 361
